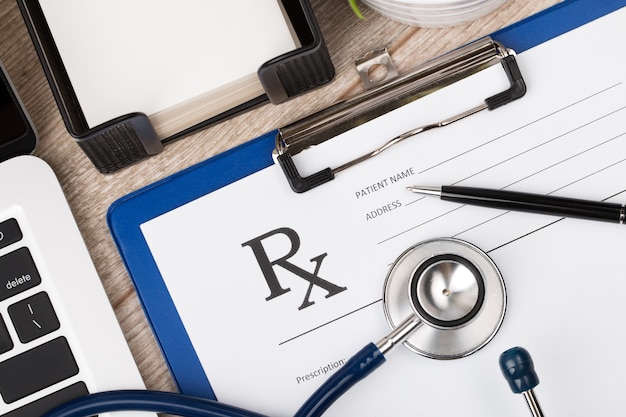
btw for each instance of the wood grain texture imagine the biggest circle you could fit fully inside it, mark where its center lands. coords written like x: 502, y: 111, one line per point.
x: 90, y: 193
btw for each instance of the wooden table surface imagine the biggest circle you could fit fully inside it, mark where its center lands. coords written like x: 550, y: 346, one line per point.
x: 90, y: 193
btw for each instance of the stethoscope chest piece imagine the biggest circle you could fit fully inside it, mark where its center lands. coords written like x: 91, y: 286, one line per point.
x: 454, y: 288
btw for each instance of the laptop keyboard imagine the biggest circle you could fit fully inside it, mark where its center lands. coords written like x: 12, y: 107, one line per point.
x: 31, y: 327
x: 59, y: 337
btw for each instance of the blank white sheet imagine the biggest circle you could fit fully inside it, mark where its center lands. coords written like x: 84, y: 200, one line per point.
x: 148, y: 55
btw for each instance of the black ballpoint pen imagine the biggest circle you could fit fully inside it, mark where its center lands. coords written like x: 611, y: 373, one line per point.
x: 534, y: 203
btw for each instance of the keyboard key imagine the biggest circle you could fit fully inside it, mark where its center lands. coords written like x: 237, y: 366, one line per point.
x: 33, y: 317
x: 45, y: 404
x: 17, y: 273
x: 9, y: 233
x: 6, y: 344
x: 36, y: 369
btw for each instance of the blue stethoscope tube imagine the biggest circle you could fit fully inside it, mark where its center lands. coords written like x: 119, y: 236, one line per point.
x: 355, y: 369
x: 516, y: 365
x: 151, y: 401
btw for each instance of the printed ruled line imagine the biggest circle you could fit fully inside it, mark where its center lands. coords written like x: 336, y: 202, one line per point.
x: 544, y: 227
x: 330, y: 322
x: 522, y: 127
x: 545, y: 143
x: 420, y: 225
x: 570, y: 158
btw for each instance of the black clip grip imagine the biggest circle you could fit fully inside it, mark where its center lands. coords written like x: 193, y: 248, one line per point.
x: 518, y: 86
x: 120, y: 142
x: 298, y: 183
x: 303, y: 69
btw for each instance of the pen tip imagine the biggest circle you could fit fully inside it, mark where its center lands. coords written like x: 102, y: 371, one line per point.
x: 425, y: 190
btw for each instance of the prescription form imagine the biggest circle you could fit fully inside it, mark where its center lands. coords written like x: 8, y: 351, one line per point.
x: 267, y: 340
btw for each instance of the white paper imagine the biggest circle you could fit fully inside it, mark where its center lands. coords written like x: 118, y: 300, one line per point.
x: 148, y: 55
x: 564, y: 277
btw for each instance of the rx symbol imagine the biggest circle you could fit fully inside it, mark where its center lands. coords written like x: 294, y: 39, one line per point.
x: 267, y: 267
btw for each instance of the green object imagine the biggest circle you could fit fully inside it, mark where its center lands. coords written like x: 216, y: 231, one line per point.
x: 355, y: 8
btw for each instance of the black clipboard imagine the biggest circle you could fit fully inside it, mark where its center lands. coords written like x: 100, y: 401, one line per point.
x: 129, y: 138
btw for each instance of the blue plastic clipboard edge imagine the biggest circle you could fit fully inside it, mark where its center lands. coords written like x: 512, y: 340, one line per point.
x: 126, y: 215
x: 554, y: 21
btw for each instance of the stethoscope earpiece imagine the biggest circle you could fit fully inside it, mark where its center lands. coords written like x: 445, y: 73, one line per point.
x: 518, y: 369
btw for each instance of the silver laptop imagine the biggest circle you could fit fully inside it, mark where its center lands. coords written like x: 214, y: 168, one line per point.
x: 59, y: 337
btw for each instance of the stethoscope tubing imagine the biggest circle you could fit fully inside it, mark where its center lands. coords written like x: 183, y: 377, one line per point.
x: 150, y: 401
x: 360, y: 365
x: 355, y: 369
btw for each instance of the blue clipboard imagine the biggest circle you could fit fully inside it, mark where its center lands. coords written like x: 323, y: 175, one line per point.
x: 126, y: 215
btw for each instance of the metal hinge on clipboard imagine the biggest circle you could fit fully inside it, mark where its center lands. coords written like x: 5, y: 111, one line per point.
x: 389, y: 94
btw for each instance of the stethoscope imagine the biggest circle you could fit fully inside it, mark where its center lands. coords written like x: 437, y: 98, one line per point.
x: 443, y: 298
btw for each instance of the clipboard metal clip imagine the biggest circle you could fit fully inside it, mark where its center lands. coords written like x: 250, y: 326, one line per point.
x: 389, y: 95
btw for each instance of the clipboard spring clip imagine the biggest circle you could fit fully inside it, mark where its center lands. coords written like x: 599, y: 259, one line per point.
x: 389, y: 94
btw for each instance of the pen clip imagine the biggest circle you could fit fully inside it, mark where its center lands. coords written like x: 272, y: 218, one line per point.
x: 432, y: 75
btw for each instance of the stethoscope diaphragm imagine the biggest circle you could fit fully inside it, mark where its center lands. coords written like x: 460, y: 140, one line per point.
x: 454, y: 288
